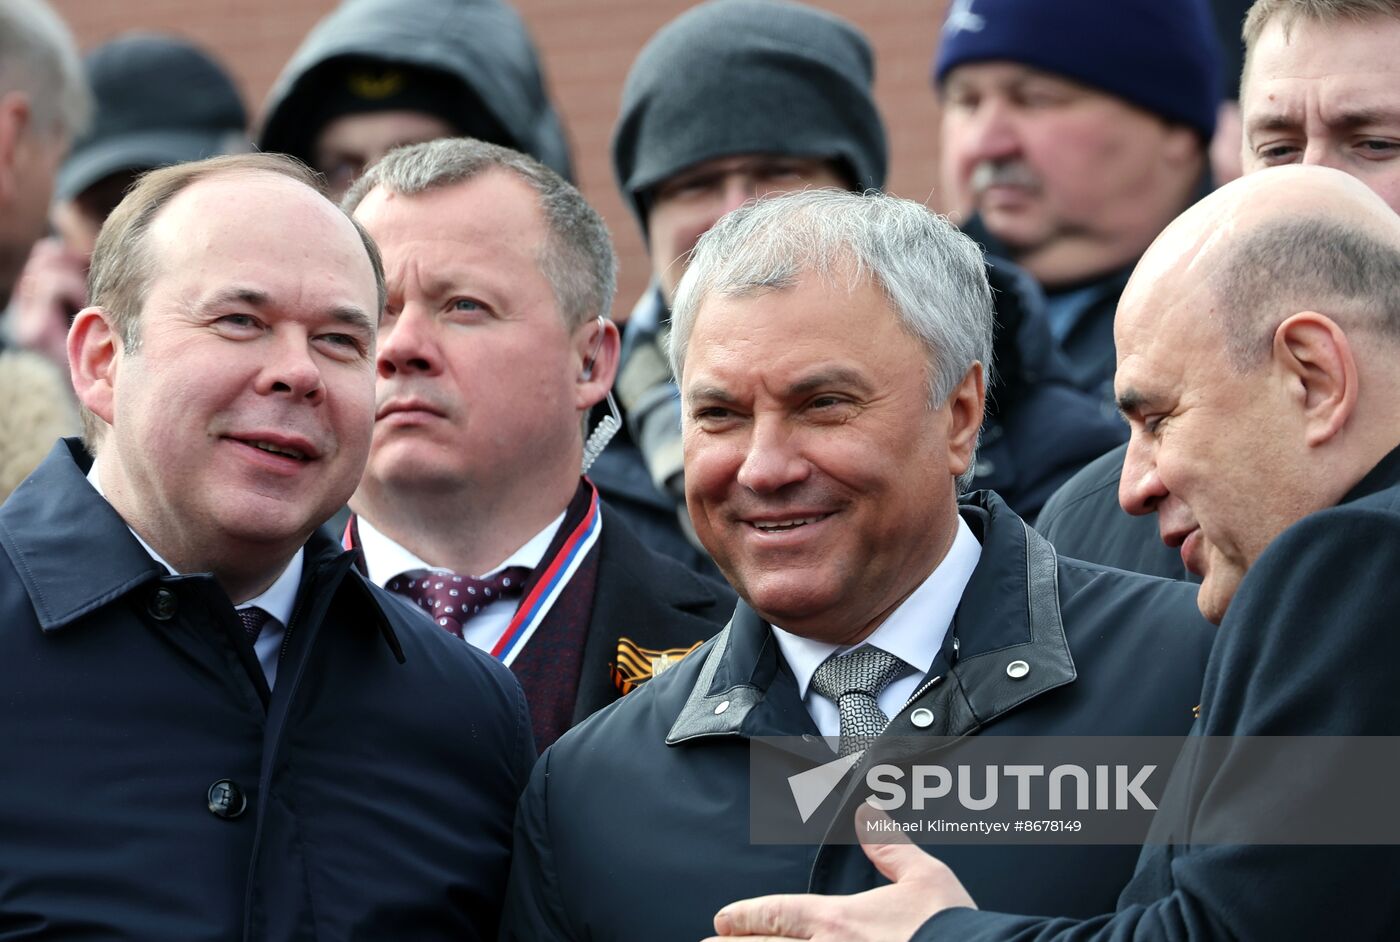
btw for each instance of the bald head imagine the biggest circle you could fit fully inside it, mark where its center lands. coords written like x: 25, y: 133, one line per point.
x: 1257, y: 365
x: 1271, y: 244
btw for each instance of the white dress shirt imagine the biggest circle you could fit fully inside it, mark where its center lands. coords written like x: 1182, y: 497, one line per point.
x: 914, y: 633
x: 386, y: 559
x: 277, y: 601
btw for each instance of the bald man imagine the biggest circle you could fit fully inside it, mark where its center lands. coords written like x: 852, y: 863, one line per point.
x: 1319, y: 87
x: 1258, y: 365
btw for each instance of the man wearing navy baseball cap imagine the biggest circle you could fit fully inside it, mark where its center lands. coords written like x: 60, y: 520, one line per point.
x: 1073, y: 132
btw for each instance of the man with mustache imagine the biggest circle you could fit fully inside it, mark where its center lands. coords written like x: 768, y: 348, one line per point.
x: 1318, y: 88
x: 1258, y: 364
x: 495, y: 347
x: 1073, y: 132
x: 214, y: 727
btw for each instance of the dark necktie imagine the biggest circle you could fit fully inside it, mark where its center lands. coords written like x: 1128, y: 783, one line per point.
x: 453, y: 600
x: 253, y: 619
x: 853, y: 682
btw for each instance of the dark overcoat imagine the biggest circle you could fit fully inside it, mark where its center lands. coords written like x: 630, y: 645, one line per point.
x: 1307, y: 648
x: 152, y: 787
x: 636, y: 824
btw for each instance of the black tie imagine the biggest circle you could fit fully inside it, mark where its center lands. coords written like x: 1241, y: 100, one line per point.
x: 253, y: 619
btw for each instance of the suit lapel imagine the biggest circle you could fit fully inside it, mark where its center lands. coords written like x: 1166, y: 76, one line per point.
x: 637, y: 600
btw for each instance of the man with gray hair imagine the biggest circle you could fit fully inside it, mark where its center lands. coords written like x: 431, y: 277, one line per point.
x: 44, y: 103
x: 831, y: 350
x: 494, y: 348
x: 1258, y: 359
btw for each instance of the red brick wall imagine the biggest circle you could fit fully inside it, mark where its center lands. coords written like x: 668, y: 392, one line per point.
x: 587, y: 47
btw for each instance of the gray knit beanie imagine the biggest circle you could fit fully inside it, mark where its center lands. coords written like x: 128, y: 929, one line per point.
x: 748, y: 76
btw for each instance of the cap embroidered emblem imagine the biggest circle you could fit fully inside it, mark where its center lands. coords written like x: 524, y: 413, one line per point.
x: 376, y: 86
x: 961, y: 19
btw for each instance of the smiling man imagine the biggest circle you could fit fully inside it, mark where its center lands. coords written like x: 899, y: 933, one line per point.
x: 684, y: 156
x: 830, y: 350
x: 1258, y: 367
x: 220, y: 730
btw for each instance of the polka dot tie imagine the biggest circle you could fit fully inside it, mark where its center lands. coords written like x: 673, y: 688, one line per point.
x: 453, y: 600
x: 253, y: 619
x: 853, y: 682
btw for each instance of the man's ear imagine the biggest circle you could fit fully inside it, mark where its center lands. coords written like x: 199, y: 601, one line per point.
x: 94, y: 350
x: 965, y: 408
x: 1316, y: 359
x: 597, y: 347
x: 14, y: 121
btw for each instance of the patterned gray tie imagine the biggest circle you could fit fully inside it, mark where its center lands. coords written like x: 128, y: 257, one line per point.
x: 853, y: 682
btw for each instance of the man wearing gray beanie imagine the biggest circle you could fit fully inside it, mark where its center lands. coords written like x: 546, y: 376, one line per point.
x: 1074, y: 131
x: 731, y: 100
x: 740, y: 98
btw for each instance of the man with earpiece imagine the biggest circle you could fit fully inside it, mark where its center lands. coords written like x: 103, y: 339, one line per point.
x: 494, y: 347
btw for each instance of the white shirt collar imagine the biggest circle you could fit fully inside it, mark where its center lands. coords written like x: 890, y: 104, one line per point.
x: 386, y: 559
x: 280, y: 597
x: 914, y: 631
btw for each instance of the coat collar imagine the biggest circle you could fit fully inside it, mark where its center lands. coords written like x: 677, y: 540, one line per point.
x: 75, y: 554
x: 1385, y: 474
x: 1010, y: 611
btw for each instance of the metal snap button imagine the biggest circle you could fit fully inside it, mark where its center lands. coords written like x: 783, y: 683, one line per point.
x: 1017, y: 669
x: 722, y: 707
x: 921, y: 718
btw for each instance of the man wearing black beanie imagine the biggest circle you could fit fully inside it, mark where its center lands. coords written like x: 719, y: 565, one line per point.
x: 736, y: 99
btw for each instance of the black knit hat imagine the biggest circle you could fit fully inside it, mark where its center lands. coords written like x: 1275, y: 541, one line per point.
x: 160, y: 101
x: 748, y: 76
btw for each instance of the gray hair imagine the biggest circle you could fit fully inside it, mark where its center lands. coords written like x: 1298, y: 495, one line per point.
x: 1307, y: 263
x: 578, y: 258
x: 39, y: 57
x: 934, y: 276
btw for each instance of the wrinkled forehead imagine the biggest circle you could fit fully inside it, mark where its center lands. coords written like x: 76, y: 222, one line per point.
x: 1171, y: 347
